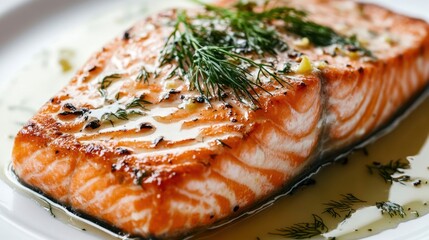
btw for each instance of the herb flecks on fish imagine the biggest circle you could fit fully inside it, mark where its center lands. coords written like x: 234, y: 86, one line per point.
x: 134, y: 107
x: 212, y: 51
x: 143, y: 75
x: 211, y: 66
x: 137, y: 102
x: 106, y: 81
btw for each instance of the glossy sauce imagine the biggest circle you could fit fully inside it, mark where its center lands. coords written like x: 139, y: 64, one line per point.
x: 52, y: 68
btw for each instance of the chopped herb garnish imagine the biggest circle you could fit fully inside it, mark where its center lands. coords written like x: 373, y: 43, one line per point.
x: 137, y: 102
x: 120, y: 114
x: 143, y: 75
x: 210, y: 66
x: 208, y: 49
x: 345, y: 205
x: 251, y: 31
x: 387, y: 171
x: 140, y: 175
x: 393, y: 209
x: 263, y: 39
x: 304, y: 230
x: 287, y: 68
x: 324, y: 36
x: 106, y: 82
x: 134, y: 107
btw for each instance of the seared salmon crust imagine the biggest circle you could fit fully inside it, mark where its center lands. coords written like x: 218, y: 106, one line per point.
x: 181, y: 164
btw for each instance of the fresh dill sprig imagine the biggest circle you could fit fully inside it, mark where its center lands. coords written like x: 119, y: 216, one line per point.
x: 393, y: 209
x: 212, y: 51
x: 127, y: 111
x: 250, y: 31
x: 344, y: 205
x: 246, y: 20
x: 137, y: 102
x: 319, y: 35
x: 106, y: 82
x: 387, y: 171
x: 120, y: 114
x: 212, y: 69
x: 304, y: 230
x: 143, y: 75
x: 323, y: 36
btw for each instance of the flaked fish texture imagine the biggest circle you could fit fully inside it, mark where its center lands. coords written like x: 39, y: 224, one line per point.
x: 138, y: 148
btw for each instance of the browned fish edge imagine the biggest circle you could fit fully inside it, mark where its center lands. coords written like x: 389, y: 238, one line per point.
x: 299, y: 181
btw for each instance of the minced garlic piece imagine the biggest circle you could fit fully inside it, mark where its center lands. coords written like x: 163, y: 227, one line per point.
x: 320, y: 65
x: 304, y: 66
x: 171, y: 84
x: 390, y: 40
x: 188, y: 104
x: 353, y: 55
x: 302, y: 43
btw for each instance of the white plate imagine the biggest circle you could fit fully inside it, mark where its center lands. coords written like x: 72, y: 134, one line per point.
x: 26, y: 28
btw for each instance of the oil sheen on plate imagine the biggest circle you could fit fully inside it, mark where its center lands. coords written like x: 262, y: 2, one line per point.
x: 318, y: 200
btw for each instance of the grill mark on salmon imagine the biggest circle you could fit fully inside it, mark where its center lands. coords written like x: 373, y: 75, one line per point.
x: 213, y: 163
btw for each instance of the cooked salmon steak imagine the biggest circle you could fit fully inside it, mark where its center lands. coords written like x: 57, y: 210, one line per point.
x: 192, y: 117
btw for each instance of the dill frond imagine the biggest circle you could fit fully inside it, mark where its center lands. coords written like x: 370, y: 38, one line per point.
x: 393, y: 209
x: 304, y: 230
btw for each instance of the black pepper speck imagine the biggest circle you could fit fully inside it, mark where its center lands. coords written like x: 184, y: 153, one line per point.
x: 200, y: 99
x: 417, y: 183
x: 235, y: 209
x: 146, y: 125
x: 93, y: 124
x: 126, y: 35
x: 123, y: 151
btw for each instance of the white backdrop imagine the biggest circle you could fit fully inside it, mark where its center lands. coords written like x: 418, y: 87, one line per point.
x: 27, y: 27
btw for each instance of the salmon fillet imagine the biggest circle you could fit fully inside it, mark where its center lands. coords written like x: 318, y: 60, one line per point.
x: 181, y: 164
